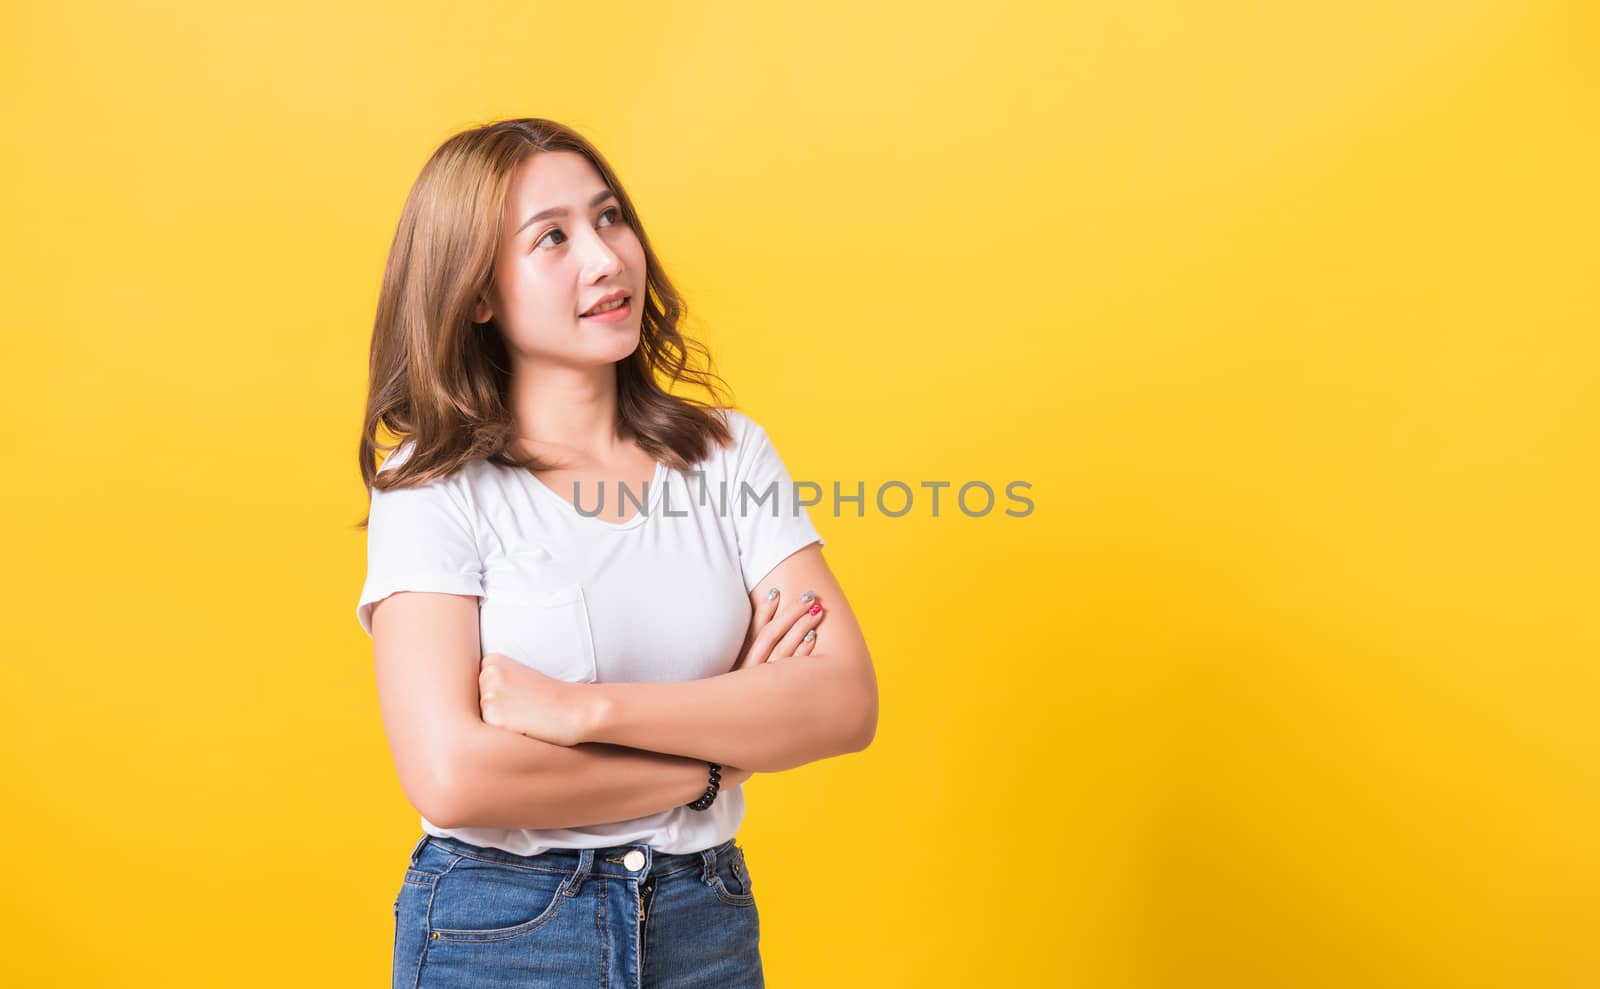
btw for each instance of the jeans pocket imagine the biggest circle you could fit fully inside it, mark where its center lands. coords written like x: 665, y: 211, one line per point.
x: 731, y: 879
x: 477, y: 900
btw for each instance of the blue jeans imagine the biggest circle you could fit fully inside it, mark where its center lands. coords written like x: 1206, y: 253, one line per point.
x: 624, y: 916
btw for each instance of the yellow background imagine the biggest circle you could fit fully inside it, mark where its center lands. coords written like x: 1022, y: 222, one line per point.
x: 1286, y: 311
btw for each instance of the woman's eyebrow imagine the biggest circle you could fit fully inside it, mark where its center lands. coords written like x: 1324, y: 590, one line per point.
x: 545, y: 214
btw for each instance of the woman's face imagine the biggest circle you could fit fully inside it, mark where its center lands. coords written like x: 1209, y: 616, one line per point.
x: 564, y: 246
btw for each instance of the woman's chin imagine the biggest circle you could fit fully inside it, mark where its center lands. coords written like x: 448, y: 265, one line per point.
x: 621, y: 345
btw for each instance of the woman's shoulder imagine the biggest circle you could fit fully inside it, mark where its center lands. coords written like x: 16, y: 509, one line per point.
x: 466, y: 476
x: 739, y: 423
x: 747, y: 433
x: 752, y: 450
x: 403, y: 452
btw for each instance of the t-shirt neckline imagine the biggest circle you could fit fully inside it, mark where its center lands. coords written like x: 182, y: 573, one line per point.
x: 657, y: 482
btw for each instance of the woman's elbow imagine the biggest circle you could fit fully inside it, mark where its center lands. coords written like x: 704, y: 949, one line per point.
x: 866, y: 723
x: 441, y: 791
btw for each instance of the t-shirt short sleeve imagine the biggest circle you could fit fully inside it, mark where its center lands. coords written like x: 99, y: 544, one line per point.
x: 419, y: 539
x: 769, y: 521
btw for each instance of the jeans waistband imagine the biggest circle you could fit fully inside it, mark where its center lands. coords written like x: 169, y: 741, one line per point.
x: 608, y: 861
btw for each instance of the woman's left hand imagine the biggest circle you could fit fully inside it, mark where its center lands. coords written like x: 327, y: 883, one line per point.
x: 520, y: 698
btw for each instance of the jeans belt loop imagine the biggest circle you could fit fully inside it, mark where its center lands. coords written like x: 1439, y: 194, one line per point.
x: 585, y: 863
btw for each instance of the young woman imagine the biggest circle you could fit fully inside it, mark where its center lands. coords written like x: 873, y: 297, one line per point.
x: 574, y: 689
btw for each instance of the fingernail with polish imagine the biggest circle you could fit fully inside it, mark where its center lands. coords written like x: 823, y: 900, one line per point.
x: 772, y: 592
x: 808, y: 595
x: 810, y: 634
x: 815, y: 609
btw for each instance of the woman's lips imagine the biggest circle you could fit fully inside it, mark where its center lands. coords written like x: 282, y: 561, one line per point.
x: 621, y: 312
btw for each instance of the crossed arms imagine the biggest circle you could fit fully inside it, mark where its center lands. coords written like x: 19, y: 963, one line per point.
x: 644, y: 746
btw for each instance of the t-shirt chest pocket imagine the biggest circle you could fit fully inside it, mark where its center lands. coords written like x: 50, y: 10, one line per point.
x: 546, y: 630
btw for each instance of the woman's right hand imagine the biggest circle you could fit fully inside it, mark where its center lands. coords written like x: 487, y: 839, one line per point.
x: 778, y: 630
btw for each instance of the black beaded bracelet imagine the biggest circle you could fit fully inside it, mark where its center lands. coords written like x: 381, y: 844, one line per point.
x: 705, y: 799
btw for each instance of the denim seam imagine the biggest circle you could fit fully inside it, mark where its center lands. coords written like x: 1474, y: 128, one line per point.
x: 566, y: 872
x: 633, y: 929
x: 427, y: 916
x: 427, y: 932
x: 419, y: 877
x: 680, y: 869
x: 506, y: 865
x: 600, y: 925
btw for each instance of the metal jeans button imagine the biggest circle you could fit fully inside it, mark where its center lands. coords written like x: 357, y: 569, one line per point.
x: 633, y: 861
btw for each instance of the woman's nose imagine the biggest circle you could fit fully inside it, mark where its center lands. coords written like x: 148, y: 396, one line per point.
x: 601, y: 260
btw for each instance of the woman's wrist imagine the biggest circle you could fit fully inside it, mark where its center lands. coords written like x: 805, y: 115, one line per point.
x: 713, y: 786
x: 597, y: 711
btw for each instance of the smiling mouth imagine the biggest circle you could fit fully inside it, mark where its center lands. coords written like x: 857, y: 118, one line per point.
x: 601, y: 310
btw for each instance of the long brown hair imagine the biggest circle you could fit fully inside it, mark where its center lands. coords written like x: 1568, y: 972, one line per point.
x: 442, y: 382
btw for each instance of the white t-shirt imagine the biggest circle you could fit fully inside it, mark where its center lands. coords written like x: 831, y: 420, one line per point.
x: 662, y: 596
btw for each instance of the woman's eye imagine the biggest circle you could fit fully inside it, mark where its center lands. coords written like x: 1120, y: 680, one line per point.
x: 609, y: 211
